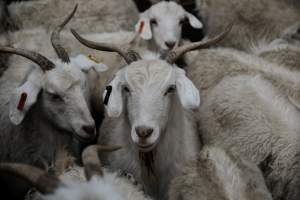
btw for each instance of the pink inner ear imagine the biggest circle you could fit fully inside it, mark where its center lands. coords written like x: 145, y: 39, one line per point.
x: 22, y: 101
x: 142, y: 24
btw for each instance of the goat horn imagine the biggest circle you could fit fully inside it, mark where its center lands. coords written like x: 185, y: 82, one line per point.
x: 175, y: 54
x: 55, y: 38
x: 91, y: 161
x: 39, y: 59
x: 36, y: 177
x: 129, y: 56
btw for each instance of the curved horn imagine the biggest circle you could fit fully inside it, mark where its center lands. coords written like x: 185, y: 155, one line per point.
x: 172, y: 56
x: 39, y: 59
x: 129, y: 56
x: 36, y: 177
x: 55, y: 38
x: 91, y: 161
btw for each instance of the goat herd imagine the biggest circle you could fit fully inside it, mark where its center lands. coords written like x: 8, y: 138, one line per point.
x: 216, y: 119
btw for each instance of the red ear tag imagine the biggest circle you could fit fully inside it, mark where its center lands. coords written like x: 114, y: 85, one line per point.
x: 142, y: 24
x: 22, y: 101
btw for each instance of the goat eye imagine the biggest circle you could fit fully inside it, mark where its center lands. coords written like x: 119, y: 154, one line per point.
x: 55, y: 97
x: 170, y: 90
x: 126, y: 89
x: 153, y: 21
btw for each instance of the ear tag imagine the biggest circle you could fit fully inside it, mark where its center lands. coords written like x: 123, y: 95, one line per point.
x: 107, y: 95
x: 142, y: 24
x: 22, y: 101
x: 92, y: 58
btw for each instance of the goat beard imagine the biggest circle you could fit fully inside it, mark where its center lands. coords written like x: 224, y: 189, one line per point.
x: 147, y: 160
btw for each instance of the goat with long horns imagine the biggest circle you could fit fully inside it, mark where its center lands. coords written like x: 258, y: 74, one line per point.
x: 148, y: 106
x: 49, y: 109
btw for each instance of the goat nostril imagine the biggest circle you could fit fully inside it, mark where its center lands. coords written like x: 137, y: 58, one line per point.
x: 90, y: 130
x: 143, y: 131
x: 170, y: 45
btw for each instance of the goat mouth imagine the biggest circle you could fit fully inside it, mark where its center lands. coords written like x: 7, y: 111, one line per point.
x: 145, y: 147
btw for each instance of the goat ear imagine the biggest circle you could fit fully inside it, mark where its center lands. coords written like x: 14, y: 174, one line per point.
x: 187, y: 92
x: 21, y: 101
x: 112, y: 98
x: 143, y: 28
x: 194, y: 22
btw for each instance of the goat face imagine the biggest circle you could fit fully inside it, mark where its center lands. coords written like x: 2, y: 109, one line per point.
x: 163, y: 21
x: 147, y: 88
x: 62, y: 92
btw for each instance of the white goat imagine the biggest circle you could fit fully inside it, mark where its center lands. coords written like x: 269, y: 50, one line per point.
x: 161, y: 24
x: 255, y: 114
x: 219, y: 175
x: 100, y: 184
x: 46, y: 106
x: 154, y: 125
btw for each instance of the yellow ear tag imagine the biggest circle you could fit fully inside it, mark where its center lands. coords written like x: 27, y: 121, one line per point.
x: 92, y: 58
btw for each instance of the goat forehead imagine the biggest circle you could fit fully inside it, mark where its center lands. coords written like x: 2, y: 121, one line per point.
x: 64, y: 77
x: 149, y: 73
x: 168, y: 9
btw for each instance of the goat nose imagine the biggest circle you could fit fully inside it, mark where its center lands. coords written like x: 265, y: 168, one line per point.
x: 170, y: 44
x: 143, y: 131
x: 90, y: 130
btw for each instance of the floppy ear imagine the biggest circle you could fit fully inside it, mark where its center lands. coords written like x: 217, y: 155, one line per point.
x: 21, y: 101
x: 143, y: 28
x: 187, y: 92
x: 194, y: 22
x: 112, y: 97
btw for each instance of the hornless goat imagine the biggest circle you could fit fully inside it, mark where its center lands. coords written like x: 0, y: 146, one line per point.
x: 251, y: 106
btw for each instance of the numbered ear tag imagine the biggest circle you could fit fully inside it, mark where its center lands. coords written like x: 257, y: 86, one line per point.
x: 142, y: 24
x: 107, y: 95
x: 22, y: 101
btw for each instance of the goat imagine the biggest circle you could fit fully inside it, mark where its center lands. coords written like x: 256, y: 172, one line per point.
x: 101, y: 184
x: 161, y: 25
x: 219, y: 175
x: 50, y: 108
x: 253, y: 20
x: 250, y: 106
x: 154, y: 125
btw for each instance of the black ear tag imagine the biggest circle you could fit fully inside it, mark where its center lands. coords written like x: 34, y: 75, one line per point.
x: 107, y: 95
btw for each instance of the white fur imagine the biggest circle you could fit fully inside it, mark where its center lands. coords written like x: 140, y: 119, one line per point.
x: 219, y: 174
x: 108, y: 187
x: 147, y: 104
x: 168, y: 29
